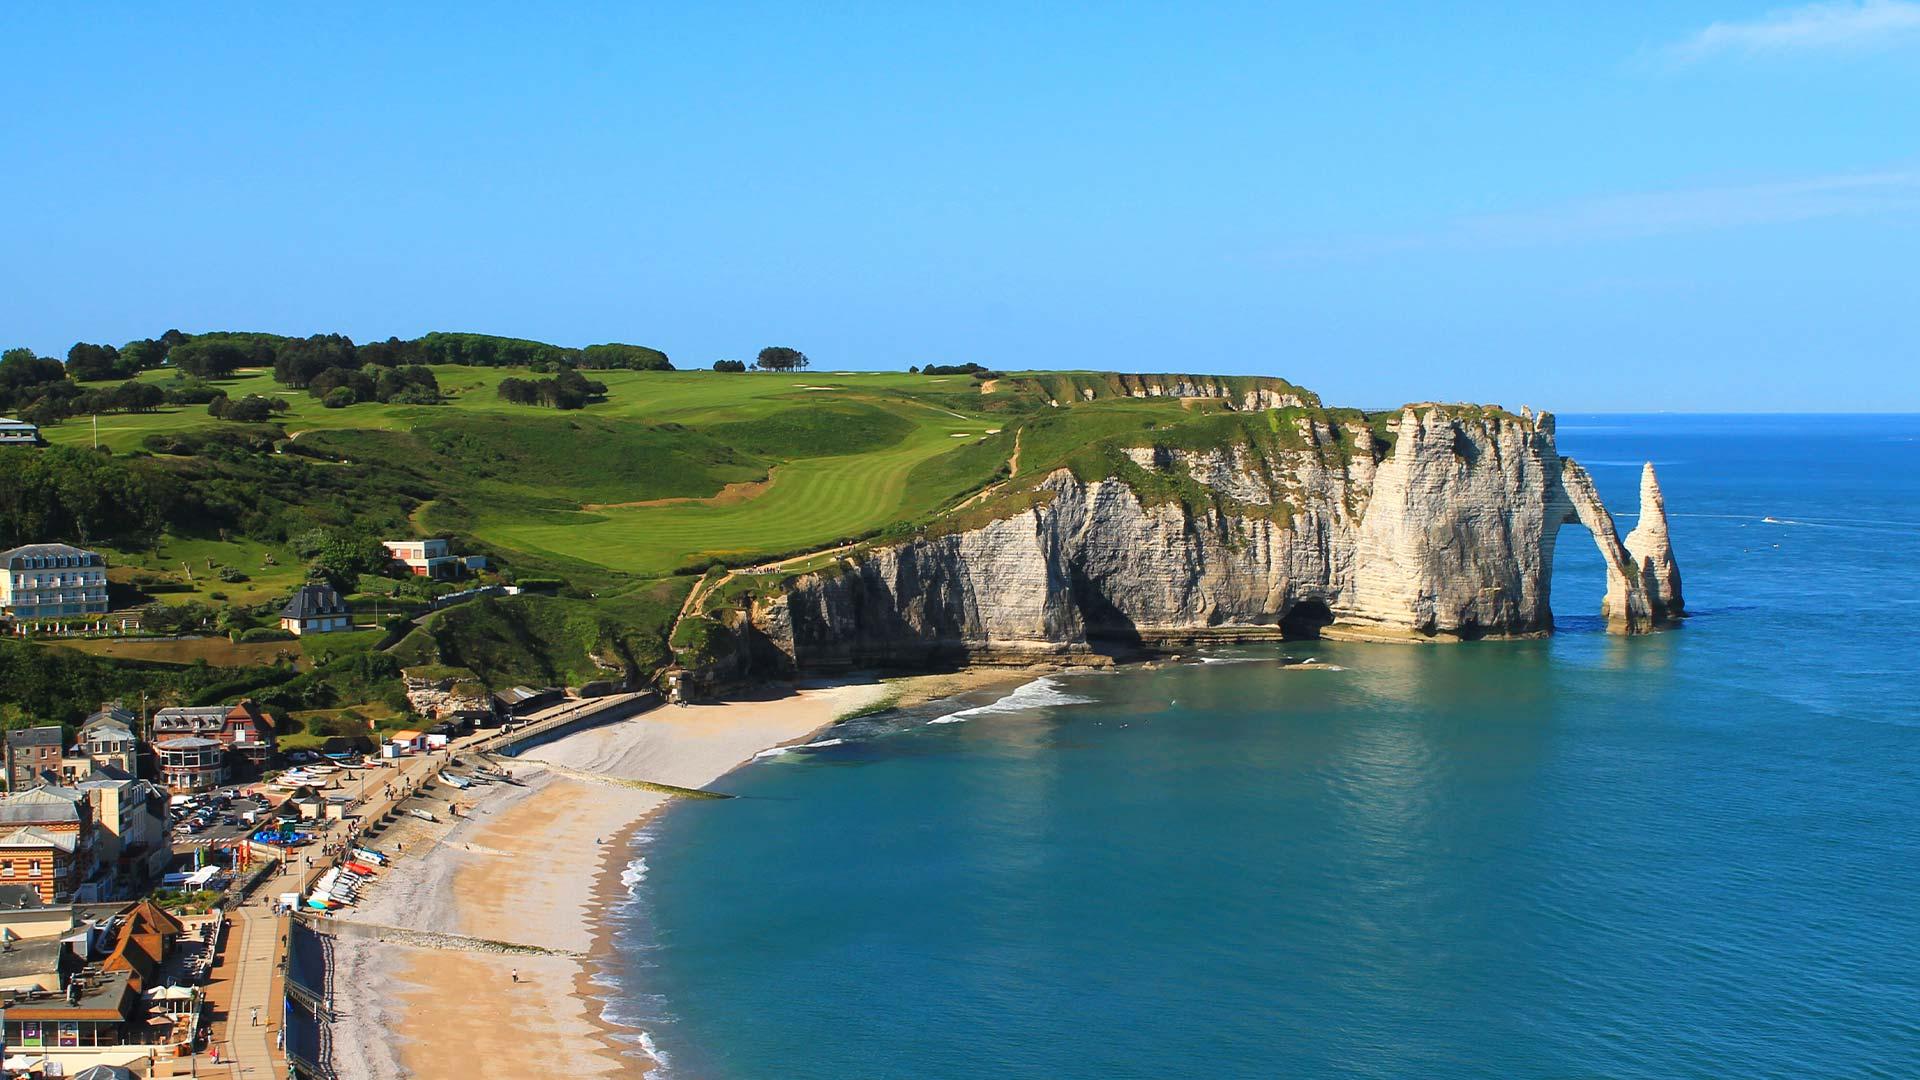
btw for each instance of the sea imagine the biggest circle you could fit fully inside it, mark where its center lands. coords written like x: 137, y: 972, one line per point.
x: 1691, y: 854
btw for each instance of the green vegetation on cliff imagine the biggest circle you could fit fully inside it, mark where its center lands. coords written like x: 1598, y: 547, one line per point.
x: 616, y: 507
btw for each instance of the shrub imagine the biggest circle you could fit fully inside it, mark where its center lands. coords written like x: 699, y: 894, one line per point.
x: 339, y: 397
x: 232, y: 574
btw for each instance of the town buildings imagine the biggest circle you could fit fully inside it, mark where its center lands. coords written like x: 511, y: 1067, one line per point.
x: 18, y: 432
x: 85, y: 978
x: 432, y: 558
x: 426, y: 558
x: 315, y: 609
x: 32, y: 752
x: 243, y: 735
x: 130, y: 846
x: 51, y: 581
x: 46, y: 841
x: 107, y: 740
x: 191, y: 763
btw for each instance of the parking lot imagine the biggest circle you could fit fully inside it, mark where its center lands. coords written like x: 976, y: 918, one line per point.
x: 216, y: 817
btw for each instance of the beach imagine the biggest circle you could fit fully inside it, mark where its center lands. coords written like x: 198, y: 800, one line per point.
x: 527, y: 872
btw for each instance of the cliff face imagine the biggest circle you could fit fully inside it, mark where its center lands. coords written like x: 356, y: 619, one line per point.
x: 1449, y: 533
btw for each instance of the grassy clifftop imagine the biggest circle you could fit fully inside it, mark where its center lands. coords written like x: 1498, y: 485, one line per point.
x: 620, y: 506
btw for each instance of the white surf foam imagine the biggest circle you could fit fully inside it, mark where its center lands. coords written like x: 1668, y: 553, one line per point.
x: 633, y: 875
x: 825, y: 742
x: 1041, y: 693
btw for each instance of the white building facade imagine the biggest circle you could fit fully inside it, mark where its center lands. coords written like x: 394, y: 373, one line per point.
x: 52, y: 581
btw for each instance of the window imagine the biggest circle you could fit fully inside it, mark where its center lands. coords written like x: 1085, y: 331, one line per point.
x: 33, y: 867
x: 6, y: 867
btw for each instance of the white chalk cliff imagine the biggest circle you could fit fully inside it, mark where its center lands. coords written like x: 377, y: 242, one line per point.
x: 1449, y: 533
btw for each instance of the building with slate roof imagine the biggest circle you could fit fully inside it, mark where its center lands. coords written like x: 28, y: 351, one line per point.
x: 315, y: 609
x: 191, y: 763
x: 52, y: 581
x: 32, y: 751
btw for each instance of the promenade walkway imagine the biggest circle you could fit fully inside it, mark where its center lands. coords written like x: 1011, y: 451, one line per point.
x: 250, y: 962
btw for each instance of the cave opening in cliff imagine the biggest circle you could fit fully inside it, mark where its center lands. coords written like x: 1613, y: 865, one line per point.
x: 1305, y: 619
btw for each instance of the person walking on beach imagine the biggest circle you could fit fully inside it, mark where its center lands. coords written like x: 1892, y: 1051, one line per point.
x: 514, y: 975
x: 256, y: 1016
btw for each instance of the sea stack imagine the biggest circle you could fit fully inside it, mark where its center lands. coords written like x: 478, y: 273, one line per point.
x: 1652, y: 551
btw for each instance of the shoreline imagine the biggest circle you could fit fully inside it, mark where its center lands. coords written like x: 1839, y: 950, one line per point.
x: 540, y: 867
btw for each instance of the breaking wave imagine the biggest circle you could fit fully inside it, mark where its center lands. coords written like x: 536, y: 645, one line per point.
x: 1041, y: 693
x: 634, y: 874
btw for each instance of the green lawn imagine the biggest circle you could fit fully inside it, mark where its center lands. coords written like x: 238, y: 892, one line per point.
x: 831, y: 454
x: 806, y: 503
x: 191, y: 566
x: 689, y: 397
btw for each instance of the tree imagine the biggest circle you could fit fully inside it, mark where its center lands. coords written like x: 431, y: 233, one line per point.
x: 252, y: 409
x: 356, y: 382
x: 207, y: 359
x: 341, y: 557
x: 138, y: 356
x: 297, y: 361
x: 567, y: 390
x: 631, y: 357
x: 729, y: 365
x: 780, y: 358
x: 89, y: 362
x: 339, y: 398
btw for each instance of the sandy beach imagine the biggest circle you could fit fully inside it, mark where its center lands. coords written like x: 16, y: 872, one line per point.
x: 532, y: 867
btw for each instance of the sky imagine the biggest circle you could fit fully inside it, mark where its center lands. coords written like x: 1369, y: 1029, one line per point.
x: 1575, y: 206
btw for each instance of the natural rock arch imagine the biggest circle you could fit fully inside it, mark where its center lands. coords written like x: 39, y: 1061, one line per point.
x: 1643, y: 582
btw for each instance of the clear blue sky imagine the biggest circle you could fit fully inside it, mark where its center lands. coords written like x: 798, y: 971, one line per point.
x: 1570, y: 205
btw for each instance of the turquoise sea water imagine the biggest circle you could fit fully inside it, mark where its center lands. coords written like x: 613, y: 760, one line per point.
x: 1690, y: 855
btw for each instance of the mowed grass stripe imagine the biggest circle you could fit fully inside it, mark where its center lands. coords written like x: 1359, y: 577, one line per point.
x: 810, y: 502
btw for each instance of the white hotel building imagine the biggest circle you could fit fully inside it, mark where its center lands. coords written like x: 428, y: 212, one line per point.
x: 52, y: 581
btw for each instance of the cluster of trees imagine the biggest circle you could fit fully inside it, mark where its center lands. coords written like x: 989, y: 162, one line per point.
x: 567, y: 390
x: 129, y: 396
x: 296, y: 362
x: 729, y: 365
x: 34, y: 388
x: 411, y: 385
x: 968, y: 368
x: 37, y: 389
x: 780, y: 358
x: 340, y: 556
x: 252, y: 409
x: 93, y: 363
x: 65, y: 494
x: 43, y: 390
x: 485, y: 350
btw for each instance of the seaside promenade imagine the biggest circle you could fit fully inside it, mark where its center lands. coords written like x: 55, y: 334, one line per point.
x: 248, y: 975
